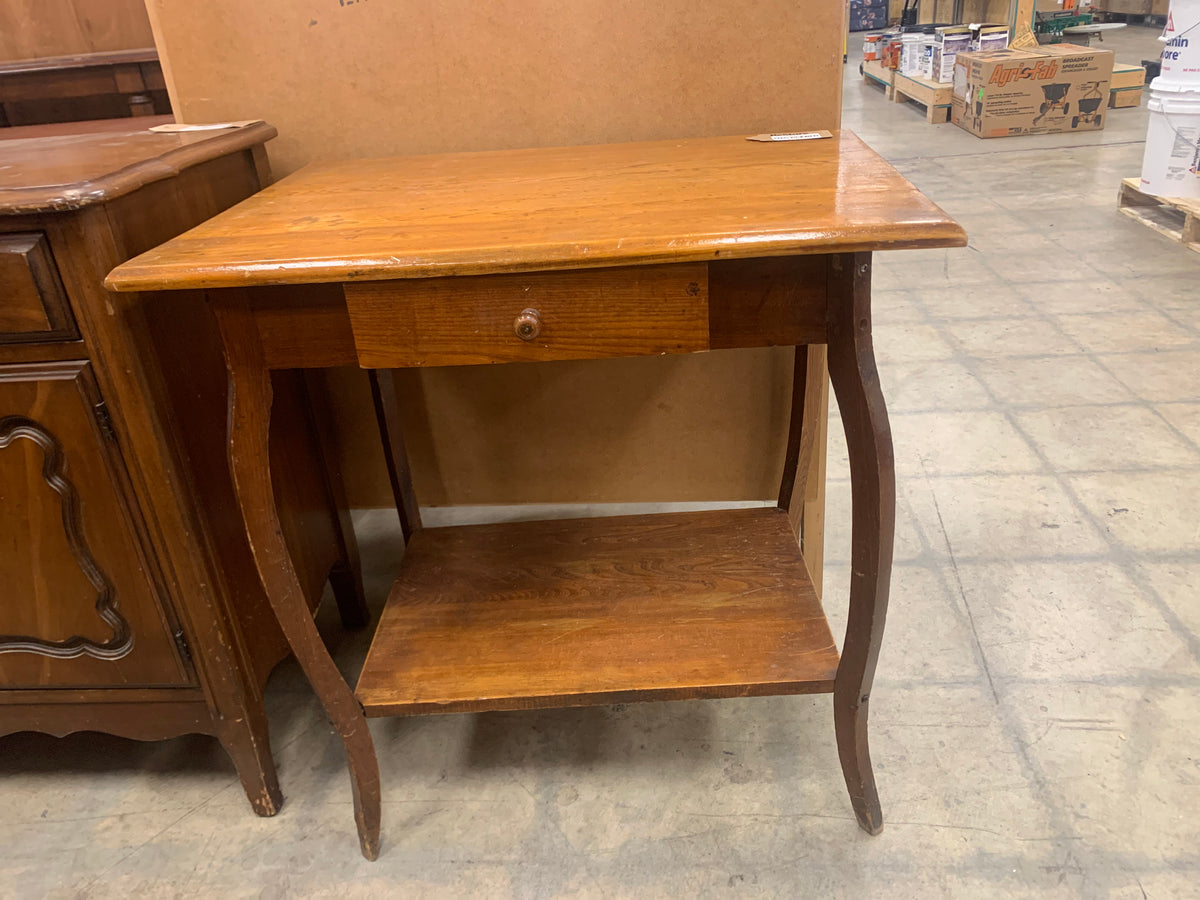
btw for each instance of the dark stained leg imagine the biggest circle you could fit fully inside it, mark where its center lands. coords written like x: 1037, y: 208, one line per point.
x: 801, y: 489
x: 346, y: 580
x: 248, y: 745
x: 802, y: 431
x: 812, y: 524
x: 795, y: 472
x: 346, y: 575
x: 387, y: 411
x: 249, y: 464
x: 873, y: 485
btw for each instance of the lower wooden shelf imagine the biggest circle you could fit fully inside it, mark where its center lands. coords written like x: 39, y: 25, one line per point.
x: 589, y: 611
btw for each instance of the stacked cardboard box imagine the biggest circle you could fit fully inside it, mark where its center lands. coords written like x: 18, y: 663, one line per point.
x: 1058, y: 87
x: 988, y: 36
x: 950, y: 41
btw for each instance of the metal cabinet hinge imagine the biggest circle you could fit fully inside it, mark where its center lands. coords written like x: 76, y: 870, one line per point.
x: 104, y: 420
x: 185, y: 649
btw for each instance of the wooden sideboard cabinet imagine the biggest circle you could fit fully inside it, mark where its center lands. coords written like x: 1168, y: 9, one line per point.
x: 129, y: 602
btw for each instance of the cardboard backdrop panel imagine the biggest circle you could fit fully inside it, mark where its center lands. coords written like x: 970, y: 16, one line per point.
x: 34, y: 28
x: 345, y: 79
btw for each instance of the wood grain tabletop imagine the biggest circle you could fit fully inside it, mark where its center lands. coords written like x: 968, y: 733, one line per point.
x: 552, y: 208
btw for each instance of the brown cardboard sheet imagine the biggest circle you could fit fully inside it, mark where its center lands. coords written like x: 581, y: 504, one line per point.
x: 31, y: 29
x: 373, y: 78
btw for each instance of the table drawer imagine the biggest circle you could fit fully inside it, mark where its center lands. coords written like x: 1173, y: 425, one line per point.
x: 530, y: 317
x: 33, y: 305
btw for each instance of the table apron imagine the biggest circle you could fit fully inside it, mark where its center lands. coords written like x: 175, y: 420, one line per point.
x: 544, y: 316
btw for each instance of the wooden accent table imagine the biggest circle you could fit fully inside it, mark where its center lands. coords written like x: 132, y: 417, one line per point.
x: 568, y: 253
x: 131, y: 601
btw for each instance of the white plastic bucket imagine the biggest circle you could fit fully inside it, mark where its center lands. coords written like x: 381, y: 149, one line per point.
x: 1169, y: 167
x: 1181, y: 55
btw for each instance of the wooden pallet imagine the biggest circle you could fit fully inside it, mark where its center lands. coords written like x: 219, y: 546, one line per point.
x: 874, y: 72
x: 1178, y: 219
x: 933, y: 95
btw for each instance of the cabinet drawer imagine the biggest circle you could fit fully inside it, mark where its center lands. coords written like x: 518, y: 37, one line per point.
x: 33, y: 305
x: 582, y: 314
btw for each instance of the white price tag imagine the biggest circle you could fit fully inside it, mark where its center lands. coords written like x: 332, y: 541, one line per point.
x: 791, y: 136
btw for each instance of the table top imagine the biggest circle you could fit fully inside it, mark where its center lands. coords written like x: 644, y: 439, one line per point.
x: 44, y: 173
x: 551, y: 208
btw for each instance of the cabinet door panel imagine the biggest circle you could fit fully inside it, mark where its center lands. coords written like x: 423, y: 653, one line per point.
x: 78, y: 604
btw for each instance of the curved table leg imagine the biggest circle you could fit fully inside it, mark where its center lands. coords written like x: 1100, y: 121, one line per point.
x: 873, y: 487
x: 249, y: 464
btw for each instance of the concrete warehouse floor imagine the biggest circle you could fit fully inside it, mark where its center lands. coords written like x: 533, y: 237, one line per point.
x: 1035, y: 722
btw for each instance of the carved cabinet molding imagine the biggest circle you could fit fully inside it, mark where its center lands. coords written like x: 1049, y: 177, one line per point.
x: 13, y: 428
x: 73, y: 565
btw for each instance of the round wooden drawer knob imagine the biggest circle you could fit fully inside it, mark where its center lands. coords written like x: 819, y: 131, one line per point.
x: 528, y: 324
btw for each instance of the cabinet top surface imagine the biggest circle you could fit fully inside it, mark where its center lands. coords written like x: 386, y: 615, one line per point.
x: 551, y: 208
x: 50, y: 172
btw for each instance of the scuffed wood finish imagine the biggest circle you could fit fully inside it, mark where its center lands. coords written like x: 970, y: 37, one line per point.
x: 556, y: 208
x: 247, y: 740
x: 873, y: 485
x: 72, y: 171
x: 586, y: 611
x: 638, y: 311
x: 249, y: 464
